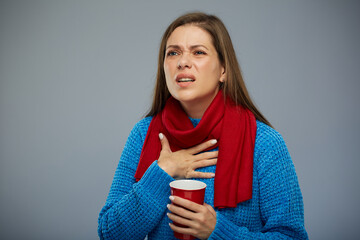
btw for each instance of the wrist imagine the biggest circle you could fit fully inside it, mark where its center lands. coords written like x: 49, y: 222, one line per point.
x: 166, y: 168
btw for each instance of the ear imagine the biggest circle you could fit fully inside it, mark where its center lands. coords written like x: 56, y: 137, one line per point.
x: 223, y: 75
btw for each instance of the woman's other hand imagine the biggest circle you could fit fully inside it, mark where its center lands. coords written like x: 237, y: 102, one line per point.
x: 199, y: 219
x: 183, y: 163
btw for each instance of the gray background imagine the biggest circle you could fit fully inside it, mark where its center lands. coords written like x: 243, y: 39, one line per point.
x: 75, y: 76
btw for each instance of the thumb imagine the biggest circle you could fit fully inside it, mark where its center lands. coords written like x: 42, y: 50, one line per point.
x: 164, y: 143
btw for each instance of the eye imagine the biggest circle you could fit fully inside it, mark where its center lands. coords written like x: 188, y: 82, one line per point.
x: 171, y: 53
x: 199, y: 52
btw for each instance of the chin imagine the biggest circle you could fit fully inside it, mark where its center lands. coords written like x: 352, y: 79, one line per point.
x: 185, y: 96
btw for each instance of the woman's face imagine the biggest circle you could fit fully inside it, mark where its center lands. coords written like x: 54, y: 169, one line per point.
x: 192, y: 67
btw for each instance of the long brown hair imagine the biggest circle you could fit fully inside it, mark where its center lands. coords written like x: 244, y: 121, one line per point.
x: 233, y: 86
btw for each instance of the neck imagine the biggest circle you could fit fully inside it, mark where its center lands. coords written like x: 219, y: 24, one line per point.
x: 196, y: 109
x: 192, y: 111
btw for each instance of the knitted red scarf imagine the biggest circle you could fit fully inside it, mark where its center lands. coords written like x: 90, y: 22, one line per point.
x: 235, y: 129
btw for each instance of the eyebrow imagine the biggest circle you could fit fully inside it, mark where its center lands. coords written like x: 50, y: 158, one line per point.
x: 191, y: 47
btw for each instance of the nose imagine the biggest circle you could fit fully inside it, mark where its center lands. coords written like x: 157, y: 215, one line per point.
x: 184, y: 61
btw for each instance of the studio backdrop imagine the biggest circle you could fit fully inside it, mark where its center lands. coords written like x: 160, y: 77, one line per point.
x: 75, y: 77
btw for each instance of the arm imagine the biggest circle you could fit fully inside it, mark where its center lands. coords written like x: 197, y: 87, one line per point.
x: 281, y: 205
x: 133, y: 209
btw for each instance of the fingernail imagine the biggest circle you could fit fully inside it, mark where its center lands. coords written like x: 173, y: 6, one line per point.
x: 171, y: 198
x: 212, y: 174
x: 214, y: 141
x: 161, y: 136
x: 168, y: 206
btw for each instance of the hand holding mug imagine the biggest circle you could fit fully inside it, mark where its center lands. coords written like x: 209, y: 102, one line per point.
x: 190, y: 215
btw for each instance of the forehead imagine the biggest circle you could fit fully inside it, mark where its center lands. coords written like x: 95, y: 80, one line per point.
x: 189, y: 35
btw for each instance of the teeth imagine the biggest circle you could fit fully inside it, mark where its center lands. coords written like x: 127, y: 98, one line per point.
x: 186, y: 80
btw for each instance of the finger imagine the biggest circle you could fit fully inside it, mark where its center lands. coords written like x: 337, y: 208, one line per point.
x: 184, y: 203
x: 180, y: 220
x: 164, y: 142
x: 204, y: 163
x: 181, y: 211
x: 182, y: 230
x: 195, y: 174
x: 202, y: 146
x: 207, y: 155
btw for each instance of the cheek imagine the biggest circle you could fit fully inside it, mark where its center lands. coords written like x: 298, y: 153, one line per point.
x: 210, y: 66
x: 167, y: 73
x: 212, y: 71
x: 167, y: 69
x: 165, y: 66
x: 216, y: 68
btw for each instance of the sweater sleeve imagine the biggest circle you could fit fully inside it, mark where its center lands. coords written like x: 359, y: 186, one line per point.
x: 133, y: 209
x: 281, y: 205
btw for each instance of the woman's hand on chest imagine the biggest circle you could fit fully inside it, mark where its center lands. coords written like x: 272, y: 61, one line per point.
x: 183, y: 163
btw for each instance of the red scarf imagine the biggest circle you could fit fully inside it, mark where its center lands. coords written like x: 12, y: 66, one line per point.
x: 233, y: 126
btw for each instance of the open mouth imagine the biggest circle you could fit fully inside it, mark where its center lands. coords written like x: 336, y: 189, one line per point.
x: 185, y: 80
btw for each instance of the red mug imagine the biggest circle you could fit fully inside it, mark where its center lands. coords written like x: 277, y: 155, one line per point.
x: 192, y: 190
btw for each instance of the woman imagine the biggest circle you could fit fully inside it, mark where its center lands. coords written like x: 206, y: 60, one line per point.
x: 252, y: 189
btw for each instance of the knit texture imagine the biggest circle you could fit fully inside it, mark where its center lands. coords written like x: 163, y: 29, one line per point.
x: 134, y: 210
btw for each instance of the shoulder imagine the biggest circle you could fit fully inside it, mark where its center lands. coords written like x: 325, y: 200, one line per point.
x: 271, y: 153
x: 269, y: 143
x: 141, y: 127
x: 267, y: 137
x: 138, y: 133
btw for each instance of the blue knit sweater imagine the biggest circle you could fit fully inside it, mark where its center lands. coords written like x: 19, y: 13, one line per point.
x: 134, y: 210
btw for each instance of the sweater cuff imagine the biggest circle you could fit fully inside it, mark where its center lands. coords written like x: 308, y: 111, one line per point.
x: 155, y: 182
